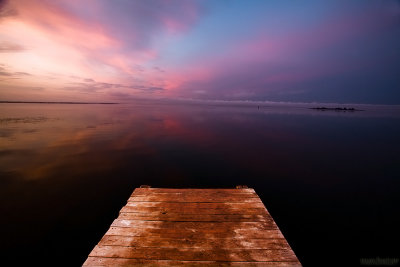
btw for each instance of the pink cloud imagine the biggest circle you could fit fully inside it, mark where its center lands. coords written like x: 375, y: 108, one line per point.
x: 100, y: 40
x: 52, y: 19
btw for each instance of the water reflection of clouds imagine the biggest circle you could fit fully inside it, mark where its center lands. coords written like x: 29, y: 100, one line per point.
x: 74, y: 144
x: 90, y: 139
x: 95, y: 141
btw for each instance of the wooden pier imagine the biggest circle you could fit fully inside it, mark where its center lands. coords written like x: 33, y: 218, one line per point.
x: 194, y: 227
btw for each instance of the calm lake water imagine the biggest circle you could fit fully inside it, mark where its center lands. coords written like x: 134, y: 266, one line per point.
x: 329, y: 179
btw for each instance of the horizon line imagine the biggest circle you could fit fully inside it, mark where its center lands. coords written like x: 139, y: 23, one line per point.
x: 199, y: 101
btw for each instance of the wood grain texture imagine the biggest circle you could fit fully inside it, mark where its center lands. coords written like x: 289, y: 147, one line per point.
x: 193, y: 227
x: 190, y: 191
x: 198, y: 243
x: 101, y: 261
x: 215, y: 254
x: 194, y: 217
x: 164, y: 210
x: 194, y: 198
x: 197, y: 205
x: 195, y: 233
x: 270, y: 224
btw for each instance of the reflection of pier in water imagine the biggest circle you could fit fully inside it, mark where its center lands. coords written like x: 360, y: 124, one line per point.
x: 194, y: 227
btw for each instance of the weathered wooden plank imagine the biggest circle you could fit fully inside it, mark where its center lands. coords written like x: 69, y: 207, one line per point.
x: 215, y: 254
x: 101, y: 261
x: 206, y: 195
x: 230, y: 192
x: 195, y: 225
x: 196, y: 233
x: 192, y: 190
x: 194, y: 217
x: 196, y: 198
x: 222, y: 243
x: 197, y: 205
x: 157, y: 210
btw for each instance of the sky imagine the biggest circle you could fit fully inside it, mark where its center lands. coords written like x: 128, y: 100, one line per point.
x: 339, y: 51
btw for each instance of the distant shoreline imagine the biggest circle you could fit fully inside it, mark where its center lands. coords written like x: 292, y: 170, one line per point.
x: 336, y: 109
x: 51, y: 102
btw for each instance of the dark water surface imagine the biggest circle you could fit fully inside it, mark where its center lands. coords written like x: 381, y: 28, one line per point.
x: 329, y: 179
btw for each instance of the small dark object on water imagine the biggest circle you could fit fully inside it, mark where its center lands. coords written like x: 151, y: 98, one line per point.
x: 336, y: 109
